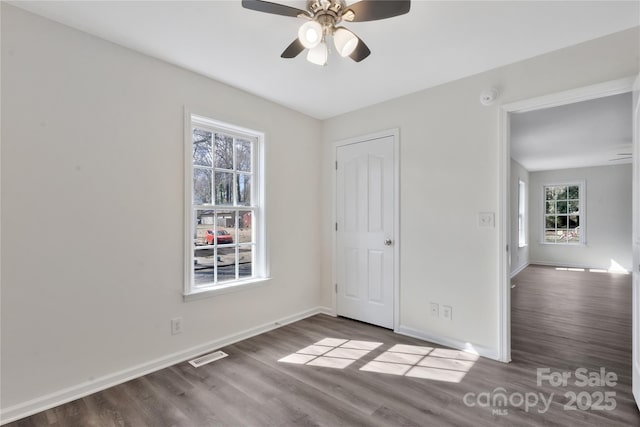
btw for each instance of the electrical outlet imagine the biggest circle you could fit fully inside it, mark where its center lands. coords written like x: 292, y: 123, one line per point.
x: 434, y: 309
x: 176, y: 325
x: 447, y: 312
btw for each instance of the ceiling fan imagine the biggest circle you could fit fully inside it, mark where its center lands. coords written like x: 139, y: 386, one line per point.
x: 322, y: 18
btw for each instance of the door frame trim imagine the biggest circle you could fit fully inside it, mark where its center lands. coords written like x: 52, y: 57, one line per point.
x: 586, y: 93
x: 395, y: 133
x: 635, y: 268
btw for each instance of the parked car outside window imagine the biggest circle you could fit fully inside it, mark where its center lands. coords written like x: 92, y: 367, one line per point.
x: 224, y: 238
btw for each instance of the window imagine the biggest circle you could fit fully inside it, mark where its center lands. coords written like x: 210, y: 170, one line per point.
x: 564, y: 214
x: 522, y: 225
x: 225, y: 243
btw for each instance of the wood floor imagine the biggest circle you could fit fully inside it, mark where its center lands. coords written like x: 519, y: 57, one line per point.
x: 561, y: 320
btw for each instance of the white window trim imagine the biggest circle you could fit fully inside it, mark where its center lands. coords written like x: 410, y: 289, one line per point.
x: 261, y: 267
x: 583, y: 211
x: 522, y: 212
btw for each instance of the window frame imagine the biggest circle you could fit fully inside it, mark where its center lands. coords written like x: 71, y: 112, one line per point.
x: 582, y: 212
x: 260, y: 268
x: 522, y: 213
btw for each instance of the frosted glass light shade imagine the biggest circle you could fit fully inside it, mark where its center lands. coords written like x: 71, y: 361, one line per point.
x: 318, y: 55
x: 345, y: 41
x: 310, y: 34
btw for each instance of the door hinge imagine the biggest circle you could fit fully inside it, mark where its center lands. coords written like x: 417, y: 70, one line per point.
x: 507, y: 248
x: 336, y: 226
x: 336, y: 165
x: 336, y: 288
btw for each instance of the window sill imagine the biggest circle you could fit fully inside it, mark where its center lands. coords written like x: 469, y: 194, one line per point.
x: 522, y: 246
x: 564, y: 244
x: 224, y: 289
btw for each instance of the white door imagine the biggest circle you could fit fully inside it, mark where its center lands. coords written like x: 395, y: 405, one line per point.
x: 365, y: 255
x: 636, y: 243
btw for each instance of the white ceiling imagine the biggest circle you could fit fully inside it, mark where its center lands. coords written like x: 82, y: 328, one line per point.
x: 434, y: 43
x: 588, y: 133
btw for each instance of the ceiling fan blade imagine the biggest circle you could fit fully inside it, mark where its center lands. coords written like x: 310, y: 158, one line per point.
x: 372, y: 10
x: 274, y: 8
x: 293, y: 49
x: 361, y: 51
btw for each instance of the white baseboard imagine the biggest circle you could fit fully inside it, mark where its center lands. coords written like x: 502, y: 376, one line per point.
x: 78, y: 391
x: 490, y: 353
x: 327, y: 310
x: 518, y: 270
x: 566, y: 265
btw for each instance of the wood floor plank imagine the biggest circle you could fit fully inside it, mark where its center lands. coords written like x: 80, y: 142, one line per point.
x: 561, y: 320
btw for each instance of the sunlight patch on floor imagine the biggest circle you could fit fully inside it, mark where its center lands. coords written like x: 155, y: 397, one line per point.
x: 438, y: 364
x: 569, y: 269
x: 614, y: 268
x: 331, y: 353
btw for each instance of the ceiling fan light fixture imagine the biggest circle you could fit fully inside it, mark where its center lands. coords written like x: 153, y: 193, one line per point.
x: 348, y: 15
x: 310, y: 34
x: 318, y: 55
x: 345, y: 41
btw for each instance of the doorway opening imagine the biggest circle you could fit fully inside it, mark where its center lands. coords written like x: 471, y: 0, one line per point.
x: 564, y: 234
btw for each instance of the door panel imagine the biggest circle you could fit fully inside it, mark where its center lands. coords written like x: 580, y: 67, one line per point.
x: 365, y: 198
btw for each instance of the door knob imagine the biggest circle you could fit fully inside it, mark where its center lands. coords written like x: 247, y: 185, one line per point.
x: 388, y: 242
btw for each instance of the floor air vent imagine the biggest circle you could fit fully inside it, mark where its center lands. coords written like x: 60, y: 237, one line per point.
x: 207, y: 358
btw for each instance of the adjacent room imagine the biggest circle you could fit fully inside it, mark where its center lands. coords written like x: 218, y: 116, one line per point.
x: 571, y: 228
x: 319, y: 212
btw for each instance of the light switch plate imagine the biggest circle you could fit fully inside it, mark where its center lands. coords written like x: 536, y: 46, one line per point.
x: 434, y: 308
x: 486, y: 219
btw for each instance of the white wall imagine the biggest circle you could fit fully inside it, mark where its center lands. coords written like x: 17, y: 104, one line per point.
x: 449, y: 152
x: 519, y: 255
x: 608, y: 218
x: 92, y: 214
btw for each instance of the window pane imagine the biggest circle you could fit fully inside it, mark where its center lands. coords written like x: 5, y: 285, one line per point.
x: 556, y: 193
x: 574, y: 192
x: 245, y: 261
x: 244, y: 190
x: 224, y: 188
x: 226, y: 264
x: 561, y: 193
x: 550, y: 222
x: 201, y: 186
x: 551, y: 207
x: 204, y: 224
x: 202, y: 154
x: 561, y: 221
x: 204, y: 265
x: 245, y: 228
x: 550, y: 236
x: 223, y: 237
x: 224, y: 151
x: 574, y: 221
x: 573, y: 206
x: 548, y: 193
x: 243, y: 153
x: 562, y: 207
x: 226, y: 226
